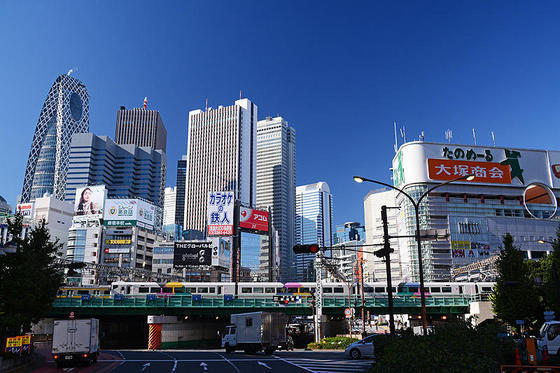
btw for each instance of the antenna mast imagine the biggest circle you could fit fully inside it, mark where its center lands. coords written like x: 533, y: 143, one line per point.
x: 396, y: 142
x: 206, y: 107
x: 145, y: 101
x: 448, y: 135
x: 493, y: 139
x: 474, y: 136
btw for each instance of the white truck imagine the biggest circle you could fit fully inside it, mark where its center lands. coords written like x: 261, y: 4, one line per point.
x: 255, y: 331
x: 75, y: 341
x: 549, y: 337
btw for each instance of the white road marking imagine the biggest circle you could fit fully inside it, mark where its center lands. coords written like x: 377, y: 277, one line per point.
x: 204, y: 365
x: 229, y: 362
x: 263, y: 364
x: 145, y: 366
x: 174, y: 360
x: 296, y: 365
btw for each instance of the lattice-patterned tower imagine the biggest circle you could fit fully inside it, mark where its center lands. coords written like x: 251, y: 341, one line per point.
x: 65, y: 112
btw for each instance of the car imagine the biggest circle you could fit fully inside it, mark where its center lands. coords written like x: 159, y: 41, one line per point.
x: 361, y: 349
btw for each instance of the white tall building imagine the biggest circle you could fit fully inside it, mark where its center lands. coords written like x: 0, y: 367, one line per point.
x: 314, y: 216
x: 276, y: 184
x: 374, y: 234
x: 169, y: 199
x: 58, y: 216
x: 221, y: 156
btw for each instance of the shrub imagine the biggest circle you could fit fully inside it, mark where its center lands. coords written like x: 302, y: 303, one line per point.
x: 456, y: 347
x: 332, y: 343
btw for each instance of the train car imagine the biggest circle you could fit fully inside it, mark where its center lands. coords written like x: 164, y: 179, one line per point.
x: 97, y: 291
x: 135, y: 288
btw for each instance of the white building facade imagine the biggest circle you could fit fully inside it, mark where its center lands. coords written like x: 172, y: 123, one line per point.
x: 169, y: 205
x: 221, y: 156
x: 276, y: 184
x: 314, y: 217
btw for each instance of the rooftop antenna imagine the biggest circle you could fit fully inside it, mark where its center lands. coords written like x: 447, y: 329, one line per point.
x: 240, y: 94
x: 403, y: 133
x: 493, y: 139
x: 396, y: 142
x: 421, y: 138
x: 206, y: 107
x: 474, y: 136
x: 145, y: 101
x: 70, y: 71
x: 448, y: 135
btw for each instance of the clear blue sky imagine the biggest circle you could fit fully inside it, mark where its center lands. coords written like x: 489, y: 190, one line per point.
x: 339, y: 72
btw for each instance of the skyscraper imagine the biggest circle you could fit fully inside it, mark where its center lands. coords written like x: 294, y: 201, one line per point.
x: 141, y: 127
x: 221, y: 156
x: 276, y: 184
x: 169, y: 204
x: 65, y: 112
x: 180, y: 196
x: 314, y: 215
x: 127, y: 171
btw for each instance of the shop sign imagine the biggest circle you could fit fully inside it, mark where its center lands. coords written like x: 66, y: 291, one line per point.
x: 484, y: 172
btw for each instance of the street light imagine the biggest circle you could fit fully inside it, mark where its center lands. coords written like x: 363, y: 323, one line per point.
x: 416, y: 204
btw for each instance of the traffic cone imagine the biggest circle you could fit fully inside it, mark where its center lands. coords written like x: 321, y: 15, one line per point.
x: 517, y: 357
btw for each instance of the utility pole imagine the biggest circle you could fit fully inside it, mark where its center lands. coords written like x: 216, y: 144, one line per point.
x: 362, y: 293
x: 318, y: 297
x: 386, y: 251
x: 235, y: 270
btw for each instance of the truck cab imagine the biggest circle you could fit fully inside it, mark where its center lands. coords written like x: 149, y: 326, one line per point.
x: 550, y: 337
x: 229, y: 338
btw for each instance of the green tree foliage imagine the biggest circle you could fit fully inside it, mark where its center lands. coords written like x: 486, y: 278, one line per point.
x: 29, y: 278
x: 550, y: 272
x: 457, y: 347
x: 514, y: 296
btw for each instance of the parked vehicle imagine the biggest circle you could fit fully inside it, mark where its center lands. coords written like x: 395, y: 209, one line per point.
x: 255, y: 331
x: 362, y: 348
x: 75, y: 341
x: 549, y: 337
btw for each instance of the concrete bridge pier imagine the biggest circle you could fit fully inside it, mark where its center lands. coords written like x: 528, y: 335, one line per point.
x: 184, y: 331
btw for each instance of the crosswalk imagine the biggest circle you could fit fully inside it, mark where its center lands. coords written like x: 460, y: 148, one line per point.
x: 334, y: 366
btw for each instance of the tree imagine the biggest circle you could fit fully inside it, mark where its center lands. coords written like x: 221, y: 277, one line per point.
x: 514, y: 297
x: 29, y: 278
x: 550, y: 268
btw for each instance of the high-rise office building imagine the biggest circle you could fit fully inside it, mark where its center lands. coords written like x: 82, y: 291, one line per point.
x: 65, y: 112
x: 314, y: 216
x: 276, y: 184
x: 169, y: 211
x: 221, y: 156
x: 127, y: 171
x: 180, y: 194
x: 140, y: 127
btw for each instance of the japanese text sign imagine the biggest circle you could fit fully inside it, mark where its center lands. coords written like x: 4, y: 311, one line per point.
x: 13, y: 345
x: 484, y: 172
x: 220, y: 213
x: 192, y: 253
x: 253, y: 219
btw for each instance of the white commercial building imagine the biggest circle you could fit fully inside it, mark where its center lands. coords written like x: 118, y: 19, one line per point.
x: 514, y: 191
x: 169, y: 205
x: 314, y: 216
x: 276, y: 184
x: 221, y: 156
x: 58, y: 216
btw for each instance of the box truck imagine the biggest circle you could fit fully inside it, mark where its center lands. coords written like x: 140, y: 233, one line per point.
x: 255, y: 331
x: 75, y: 341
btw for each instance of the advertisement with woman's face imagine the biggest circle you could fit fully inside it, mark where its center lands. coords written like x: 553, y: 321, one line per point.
x: 89, y: 201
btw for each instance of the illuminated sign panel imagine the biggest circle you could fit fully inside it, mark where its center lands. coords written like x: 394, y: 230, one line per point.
x: 484, y: 172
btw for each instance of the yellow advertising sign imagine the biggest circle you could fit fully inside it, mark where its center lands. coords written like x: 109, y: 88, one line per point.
x: 118, y: 242
x: 25, y: 339
x: 13, y: 342
x: 458, y: 245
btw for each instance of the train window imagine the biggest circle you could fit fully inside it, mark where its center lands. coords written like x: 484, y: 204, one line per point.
x: 436, y: 290
x: 354, y: 290
x: 115, y: 286
x: 143, y: 289
x: 339, y: 290
x: 327, y: 290
x: 258, y: 290
x: 368, y: 289
x: 107, y: 292
x: 379, y: 290
x: 460, y: 290
x: 401, y: 289
x: 212, y: 290
x: 154, y: 290
x: 292, y: 290
x: 83, y: 292
x: 486, y: 289
x: 393, y: 289
x: 203, y: 290
x: 190, y: 290
x: 180, y: 290
x: 167, y: 290
x: 446, y: 290
x: 412, y: 289
x: 59, y: 292
x: 304, y: 290
x: 280, y: 290
x: 219, y: 290
x: 269, y: 290
x: 246, y: 290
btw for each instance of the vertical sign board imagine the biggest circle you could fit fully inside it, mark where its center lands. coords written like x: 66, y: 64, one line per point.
x: 253, y: 219
x: 13, y: 345
x: 220, y: 213
x: 192, y: 253
x: 221, y: 251
x: 25, y: 344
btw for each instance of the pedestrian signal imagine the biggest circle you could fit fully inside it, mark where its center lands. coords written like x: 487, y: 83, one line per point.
x: 306, y: 249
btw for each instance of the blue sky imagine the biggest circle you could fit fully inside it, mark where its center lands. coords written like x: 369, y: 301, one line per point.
x: 339, y: 72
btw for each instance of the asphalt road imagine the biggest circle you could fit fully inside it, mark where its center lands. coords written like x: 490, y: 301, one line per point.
x: 209, y: 361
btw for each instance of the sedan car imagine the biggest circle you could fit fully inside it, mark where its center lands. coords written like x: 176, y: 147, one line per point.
x: 360, y: 349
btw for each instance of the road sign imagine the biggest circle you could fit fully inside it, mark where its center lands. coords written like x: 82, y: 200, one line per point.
x: 348, y: 313
x: 71, y: 315
x: 25, y: 344
x: 13, y: 345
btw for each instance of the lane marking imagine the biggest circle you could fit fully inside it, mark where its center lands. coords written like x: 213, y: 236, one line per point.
x: 178, y: 360
x: 172, y: 357
x: 230, y: 363
x: 120, y: 353
x: 204, y: 365
x: 145, y: 366
x: 263, y: 364
x: 296, y: 365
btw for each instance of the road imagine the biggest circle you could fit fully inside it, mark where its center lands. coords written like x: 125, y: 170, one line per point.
x: 210, y: 361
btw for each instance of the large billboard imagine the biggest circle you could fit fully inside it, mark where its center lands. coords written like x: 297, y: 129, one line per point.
x: 253, y: 219
x: 25, y: 209
x: 192, y: 253
x: 89, y: 201
x: 220, y: 213
x: 129, y: 212
x: 221, y: 251
x: 420, y: 162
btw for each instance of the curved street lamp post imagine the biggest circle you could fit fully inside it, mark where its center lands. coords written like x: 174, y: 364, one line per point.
x: 416, y: 204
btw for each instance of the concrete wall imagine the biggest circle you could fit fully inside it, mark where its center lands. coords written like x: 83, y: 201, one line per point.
x: 177, y: 332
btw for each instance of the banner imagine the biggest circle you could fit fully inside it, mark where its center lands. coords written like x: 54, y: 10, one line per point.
x: 89, y: 201
x: 194, y: 253
x: 253, y: 219
x: 25, y: 209
x: 221, y: 251
x: 129, y: 213
x: 484, y: 172
x: 220, y: 213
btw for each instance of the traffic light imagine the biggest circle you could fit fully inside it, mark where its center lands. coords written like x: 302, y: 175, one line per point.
x: 306, y: 249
